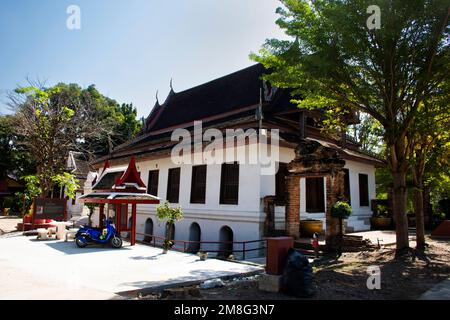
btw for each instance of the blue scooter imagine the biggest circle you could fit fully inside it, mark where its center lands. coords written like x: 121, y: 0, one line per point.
x: 105, y: 235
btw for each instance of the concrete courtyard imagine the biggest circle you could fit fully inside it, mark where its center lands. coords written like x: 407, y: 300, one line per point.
x: 33, y: 269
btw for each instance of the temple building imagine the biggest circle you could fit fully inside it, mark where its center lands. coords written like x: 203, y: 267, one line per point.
x: 235, y: 200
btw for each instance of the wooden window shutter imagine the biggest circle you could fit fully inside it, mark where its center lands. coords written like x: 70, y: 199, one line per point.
x: 173, y: 185
x: 229, y: 183
x: 153, y: 179
x: 198, y: 184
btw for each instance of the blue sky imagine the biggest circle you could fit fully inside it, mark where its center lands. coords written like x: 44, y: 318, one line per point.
x: 130, y: 48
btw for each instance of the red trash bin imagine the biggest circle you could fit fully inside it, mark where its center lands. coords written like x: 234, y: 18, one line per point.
x: 277, y: 249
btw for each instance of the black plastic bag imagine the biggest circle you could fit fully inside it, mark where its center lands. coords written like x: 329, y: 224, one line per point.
x: 298, y: 275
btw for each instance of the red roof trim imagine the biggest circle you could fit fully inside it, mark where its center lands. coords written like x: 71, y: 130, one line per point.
x: 131, y: 175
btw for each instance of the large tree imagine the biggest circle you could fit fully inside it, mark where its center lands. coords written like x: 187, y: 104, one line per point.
x: 63, y: 118
x: 15, y: 158
x: 430, y: 142
x: 118, y: 123
x: 337, y: 63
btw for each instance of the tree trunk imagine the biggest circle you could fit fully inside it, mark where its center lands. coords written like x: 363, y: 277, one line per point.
x: 399, y: 204
x: 417, y: 173
x: 427, y: 206
x: 420, y: 225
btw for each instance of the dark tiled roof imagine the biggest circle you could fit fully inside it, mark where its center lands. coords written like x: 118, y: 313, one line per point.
x: 236, y: 90
x: 232, y: 99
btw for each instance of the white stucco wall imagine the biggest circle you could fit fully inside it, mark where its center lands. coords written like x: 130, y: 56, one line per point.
x: 246, y: 219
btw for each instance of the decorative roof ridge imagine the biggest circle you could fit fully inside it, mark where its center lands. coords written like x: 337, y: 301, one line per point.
x: 220, y: 78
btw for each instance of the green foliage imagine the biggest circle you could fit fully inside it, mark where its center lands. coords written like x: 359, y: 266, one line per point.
x: 54, y: 121
x: 165, y: 213
x: 119, y: 122
x: 33, y: 186
x: 65, y: 180
x: 338, y: 65
x: 19, y: 197
x: 15, y: 157
x: 341, y: 210
x: 382, y: 211
x: 439, y: 215
x: 168, y: 244
x: 369, y: 133
x: 68, y: 182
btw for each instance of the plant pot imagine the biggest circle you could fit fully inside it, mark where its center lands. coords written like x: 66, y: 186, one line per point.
x: 203, y: 256
x: 308, y: 227
x: 380, y: 223
x: 165, y: 251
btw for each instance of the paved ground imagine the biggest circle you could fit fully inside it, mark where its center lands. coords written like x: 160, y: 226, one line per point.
x: 440, y: 291
x: 8, y: 224
x: 33, y: 269
x: 386, y: 237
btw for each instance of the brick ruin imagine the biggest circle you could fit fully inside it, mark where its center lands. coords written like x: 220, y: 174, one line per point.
x: 312, y: 159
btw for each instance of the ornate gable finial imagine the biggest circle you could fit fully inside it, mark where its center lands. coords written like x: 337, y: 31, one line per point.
x: 105, y: 166
x: 130, y: 179
x: 171, y: 84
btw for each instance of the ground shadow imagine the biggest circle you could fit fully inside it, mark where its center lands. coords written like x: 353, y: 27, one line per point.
x: 155, y: 257
x: 399, y: 279
x: 193, y: 277
x: 71, y: 248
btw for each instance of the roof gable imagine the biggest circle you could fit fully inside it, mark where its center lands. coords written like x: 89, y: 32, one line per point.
x: 120, y: 179
x: 130, y: 179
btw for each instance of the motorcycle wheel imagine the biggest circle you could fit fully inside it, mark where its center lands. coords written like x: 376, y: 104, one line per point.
x: 80, y: 243
x: 116, y: 242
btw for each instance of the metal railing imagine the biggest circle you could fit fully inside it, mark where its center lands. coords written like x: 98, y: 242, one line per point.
x: 188, y: 246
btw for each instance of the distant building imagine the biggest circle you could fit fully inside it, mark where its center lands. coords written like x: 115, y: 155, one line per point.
x: 78, y: 165
x: 9, y: 185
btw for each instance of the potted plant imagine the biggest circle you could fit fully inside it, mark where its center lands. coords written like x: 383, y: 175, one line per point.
x: 167, y: 245
x: 341, y: 210
x: 166, y: 213
x: 437, y: 218
x: 309, y: 226
x: 380, y: 219
x: 203, y: 255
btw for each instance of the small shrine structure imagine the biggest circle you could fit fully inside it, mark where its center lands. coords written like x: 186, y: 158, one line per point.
x: 120, y: 189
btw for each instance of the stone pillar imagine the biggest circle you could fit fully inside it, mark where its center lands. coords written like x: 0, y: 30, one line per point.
x: 332, y: 227
x: 293, y: 206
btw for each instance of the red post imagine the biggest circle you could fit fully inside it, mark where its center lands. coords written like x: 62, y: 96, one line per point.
x: 33, y: 215
x: 101, y: 214
x: 126, y: 216
x: 118, y: 218
x: 133, y: 224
